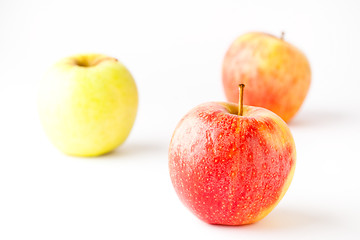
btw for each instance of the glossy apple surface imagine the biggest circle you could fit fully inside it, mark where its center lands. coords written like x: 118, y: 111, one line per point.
x: 87, y: 104
x: 229, y: 169
x: 277, y: 75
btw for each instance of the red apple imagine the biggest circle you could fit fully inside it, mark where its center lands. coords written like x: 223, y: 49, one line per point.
x: 277, y: 75
x: 231, y: 169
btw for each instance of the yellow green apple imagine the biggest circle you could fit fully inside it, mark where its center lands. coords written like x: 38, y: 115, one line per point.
x: 87, y: 104
x: 277, y: 75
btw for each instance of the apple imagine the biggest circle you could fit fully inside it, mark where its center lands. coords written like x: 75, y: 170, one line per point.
x: 87, y: 104
x: 277, y: 75
x: 231, y: 166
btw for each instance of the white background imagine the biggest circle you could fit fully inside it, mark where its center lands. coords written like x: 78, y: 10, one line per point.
x: 174, y: 51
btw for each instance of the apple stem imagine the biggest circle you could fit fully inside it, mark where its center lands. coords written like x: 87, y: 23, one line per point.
x: 241, y: 99
x: 282, y: 35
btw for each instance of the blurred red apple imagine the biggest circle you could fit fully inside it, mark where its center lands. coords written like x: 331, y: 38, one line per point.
x: 231, y: 169
x: 277, y: 75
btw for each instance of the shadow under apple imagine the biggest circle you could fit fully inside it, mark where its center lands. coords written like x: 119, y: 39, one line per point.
x: 138, y: 149
x: 294, y: 219
x: 319, y: 118
x: 283, y: 220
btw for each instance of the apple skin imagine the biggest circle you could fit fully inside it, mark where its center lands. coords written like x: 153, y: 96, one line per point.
x: 87, y: 104
x: 229, y: 169
x: 277, y: 75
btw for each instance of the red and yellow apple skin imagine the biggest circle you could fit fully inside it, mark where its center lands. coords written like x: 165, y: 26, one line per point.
x: 277, y: 75
x: 229, y: 169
